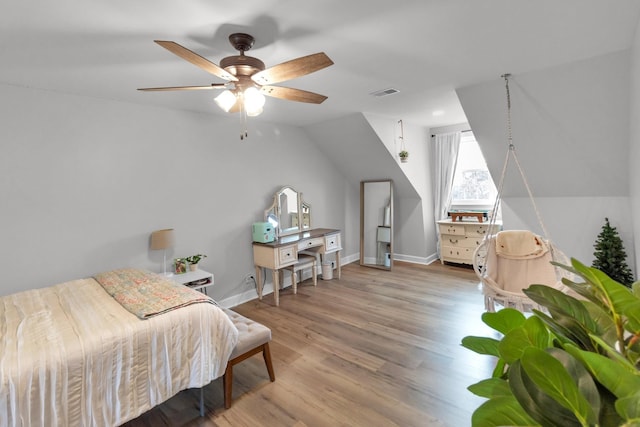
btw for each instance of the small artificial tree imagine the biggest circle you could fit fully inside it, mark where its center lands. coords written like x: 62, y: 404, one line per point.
x: 611, y: 257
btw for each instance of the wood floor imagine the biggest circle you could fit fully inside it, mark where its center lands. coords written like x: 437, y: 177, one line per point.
x: 375, y: 348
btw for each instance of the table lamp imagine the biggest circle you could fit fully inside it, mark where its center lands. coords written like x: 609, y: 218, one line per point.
x: 162, y: 239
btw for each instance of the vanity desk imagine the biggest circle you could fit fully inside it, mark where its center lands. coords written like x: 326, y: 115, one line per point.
x: 283, y: 252
x: 291, y: 218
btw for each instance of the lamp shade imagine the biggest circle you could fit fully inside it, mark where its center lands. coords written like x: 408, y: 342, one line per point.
x: 162, y: 239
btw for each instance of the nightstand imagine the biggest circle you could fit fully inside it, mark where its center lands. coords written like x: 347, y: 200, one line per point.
x: 198, y: 280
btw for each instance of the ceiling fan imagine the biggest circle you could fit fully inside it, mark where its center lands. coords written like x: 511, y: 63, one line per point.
x: 247, y: 78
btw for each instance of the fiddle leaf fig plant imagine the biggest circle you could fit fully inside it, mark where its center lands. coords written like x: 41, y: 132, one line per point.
x: 575, y: 364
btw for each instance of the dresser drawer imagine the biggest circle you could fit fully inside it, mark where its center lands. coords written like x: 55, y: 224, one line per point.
x: 460, y: 241
x: 332, y: 242
x: 475, y: 230
x: 454, y: 229
x: 457, y: 254
x: 311, y: 243
x: 287, y: 255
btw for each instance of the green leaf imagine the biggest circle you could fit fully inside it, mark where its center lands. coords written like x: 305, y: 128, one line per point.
x: 581, y: 377
x: 635, y: 288
x: 482, y: 345
x: 621, y: 378
x: 532, y: 333
x: 502, y: 411
x: 606, y: 326
x: 504, y: 320
x: 619, y: 295
x: 632, y: 312
x: 558, y: 303
x: 550, y: 375
x: 490, y: 388
x: 567, y: 329
x: 629, y: 407
x: 536, y: 403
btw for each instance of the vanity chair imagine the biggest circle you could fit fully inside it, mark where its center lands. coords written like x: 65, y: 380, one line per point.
x: 291, y: 218
x: 305, y: 262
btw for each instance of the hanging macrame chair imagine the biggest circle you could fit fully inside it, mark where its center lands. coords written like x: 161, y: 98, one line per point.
x: 512, y: 260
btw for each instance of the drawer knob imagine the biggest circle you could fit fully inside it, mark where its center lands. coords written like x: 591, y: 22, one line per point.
x: 453, y: 241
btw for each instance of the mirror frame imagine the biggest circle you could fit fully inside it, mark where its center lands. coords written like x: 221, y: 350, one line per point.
x: 386, y: 219
x: 303, y: 218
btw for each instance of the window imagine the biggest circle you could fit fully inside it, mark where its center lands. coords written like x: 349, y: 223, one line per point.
x: 473, y: 187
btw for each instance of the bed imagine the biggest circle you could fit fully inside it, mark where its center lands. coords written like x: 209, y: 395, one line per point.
x: 71, y: 354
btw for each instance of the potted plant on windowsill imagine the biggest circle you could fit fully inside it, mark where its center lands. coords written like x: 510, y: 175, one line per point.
x: 193, y: 261
x: 404, y: 156
x: 577, y: 364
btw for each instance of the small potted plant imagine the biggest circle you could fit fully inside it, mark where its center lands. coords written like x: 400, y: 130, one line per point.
x: 404, y: 156
x: 193, y: 261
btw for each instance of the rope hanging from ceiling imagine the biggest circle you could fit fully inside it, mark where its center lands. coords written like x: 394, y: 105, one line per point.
x: 511, y: 153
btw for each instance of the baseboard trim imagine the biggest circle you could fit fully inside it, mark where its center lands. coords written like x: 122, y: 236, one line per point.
x: 416, y: 260
x: 252, y: 294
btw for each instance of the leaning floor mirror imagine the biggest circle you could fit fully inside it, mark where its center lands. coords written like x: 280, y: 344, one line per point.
x: 376, y: 224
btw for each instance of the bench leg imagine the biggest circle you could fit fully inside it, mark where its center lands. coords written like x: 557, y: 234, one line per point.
x: 267, y: 360
x: 227, y: 382
x: 227, y: 379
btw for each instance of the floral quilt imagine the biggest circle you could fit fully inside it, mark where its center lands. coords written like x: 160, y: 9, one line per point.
x: 147, y: 294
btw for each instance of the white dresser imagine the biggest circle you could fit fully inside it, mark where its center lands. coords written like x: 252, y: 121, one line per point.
x: 459, y: 239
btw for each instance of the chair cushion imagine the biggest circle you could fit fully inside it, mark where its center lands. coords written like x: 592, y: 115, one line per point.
x: 513, y: 274
x: 304, y: 262
x: 519, y: 244
x: 251, y: 334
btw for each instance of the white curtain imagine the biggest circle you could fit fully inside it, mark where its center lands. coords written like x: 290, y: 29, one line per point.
x: 446, y: 157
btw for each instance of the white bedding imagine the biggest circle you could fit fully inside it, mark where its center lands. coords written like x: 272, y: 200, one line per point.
x: 70, y: 355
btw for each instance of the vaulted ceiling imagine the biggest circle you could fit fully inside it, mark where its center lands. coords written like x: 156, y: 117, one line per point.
x: 423, y: 48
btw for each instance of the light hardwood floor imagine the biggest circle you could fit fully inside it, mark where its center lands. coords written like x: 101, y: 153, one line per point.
x: 375, y: 348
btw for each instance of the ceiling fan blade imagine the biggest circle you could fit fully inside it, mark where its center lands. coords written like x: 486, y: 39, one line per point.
x: 291, y: 94
x: 211, y: 86
x: 196, y: 60
x: 292, y: 69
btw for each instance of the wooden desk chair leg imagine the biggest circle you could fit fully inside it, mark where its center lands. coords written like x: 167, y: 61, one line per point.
x: 294, y: 282
x: 314, y: 274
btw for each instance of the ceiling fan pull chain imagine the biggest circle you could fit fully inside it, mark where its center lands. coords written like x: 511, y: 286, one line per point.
x: 243, y: 121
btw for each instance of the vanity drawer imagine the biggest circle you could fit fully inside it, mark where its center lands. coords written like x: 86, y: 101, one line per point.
x: 332, y: 242
x: 287, y: 255
x: 311, y: 243
x: 455, y: 229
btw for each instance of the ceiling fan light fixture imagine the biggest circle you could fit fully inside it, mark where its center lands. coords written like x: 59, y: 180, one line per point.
x: 253, y: 101
x: 255, y: 112
x: 225, y: 100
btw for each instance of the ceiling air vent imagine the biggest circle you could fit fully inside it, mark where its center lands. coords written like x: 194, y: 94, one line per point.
x: 384, y: 92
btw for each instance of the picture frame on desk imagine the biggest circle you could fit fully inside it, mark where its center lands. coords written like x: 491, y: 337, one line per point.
x: 179, y: 266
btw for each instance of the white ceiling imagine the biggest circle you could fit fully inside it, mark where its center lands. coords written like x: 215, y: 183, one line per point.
x: 423, y: 48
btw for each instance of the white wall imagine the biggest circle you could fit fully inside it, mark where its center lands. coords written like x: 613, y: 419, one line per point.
x: 571, y: 131
x: 363, y: 148
x: 634, y: 151
x: 560, y: 216
x: 84, y: 181
x: 414, y: 232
